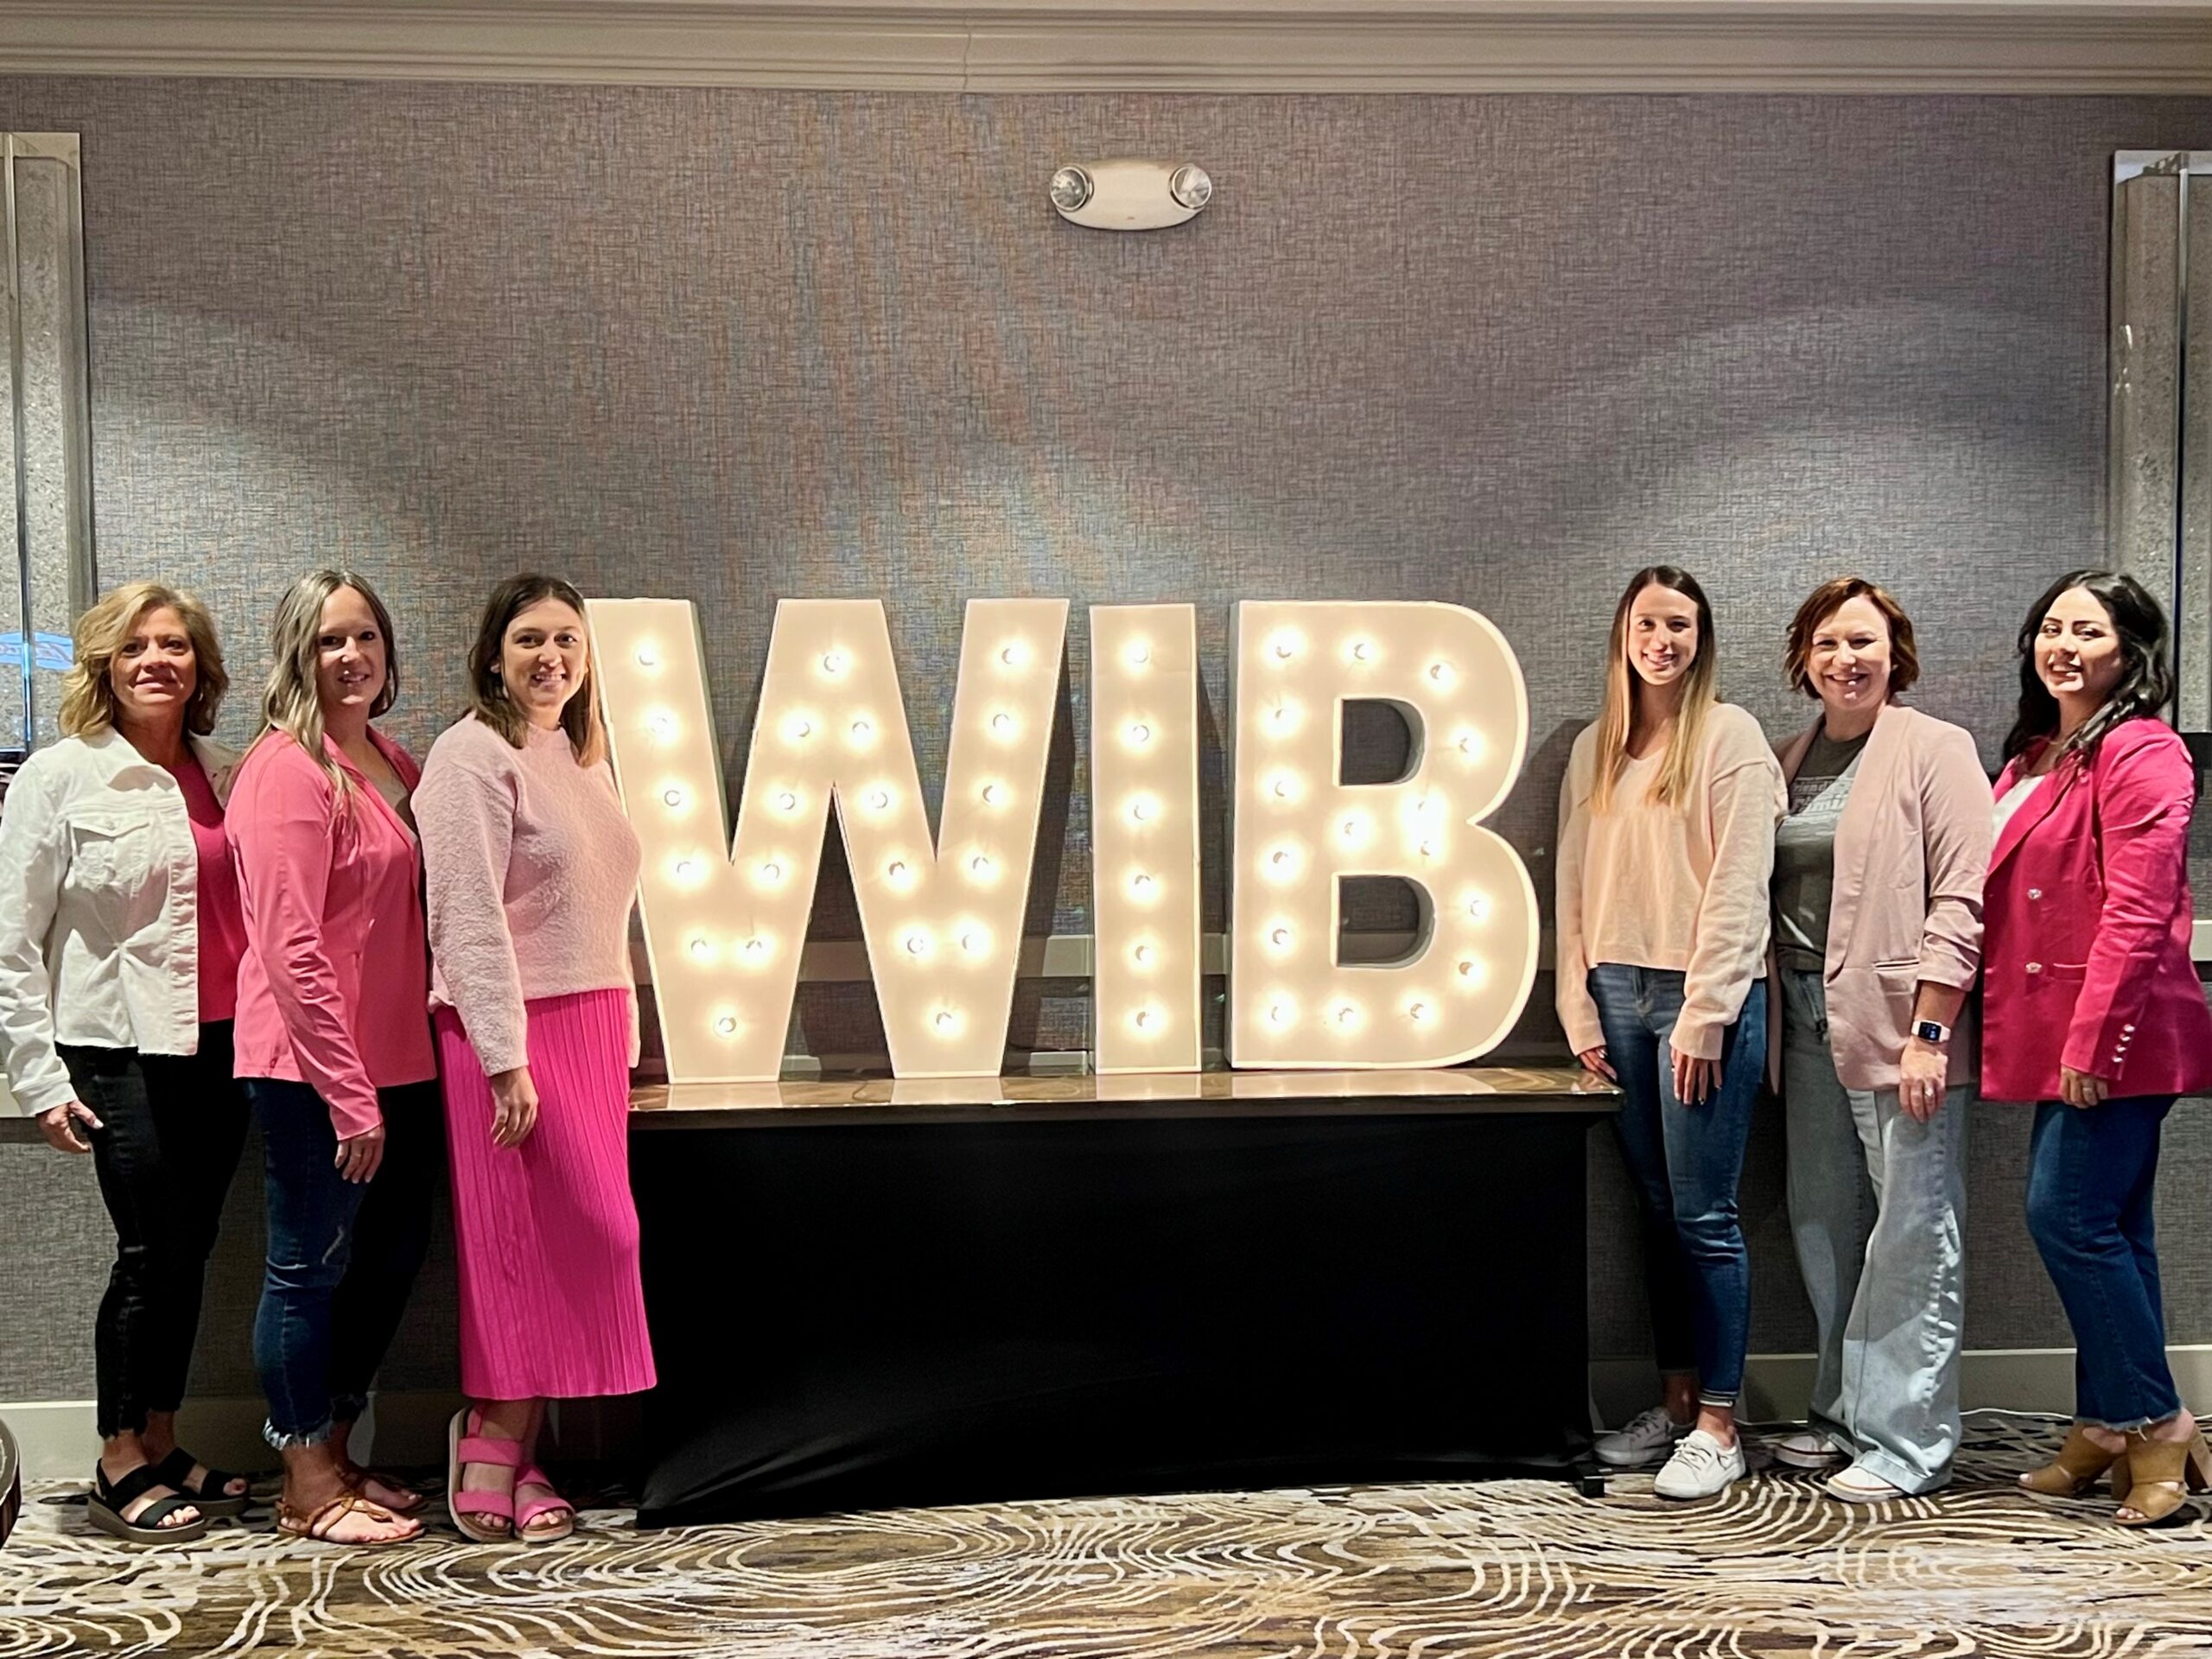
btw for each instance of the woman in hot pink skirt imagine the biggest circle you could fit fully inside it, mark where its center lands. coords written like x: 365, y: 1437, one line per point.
x: 531, y: 870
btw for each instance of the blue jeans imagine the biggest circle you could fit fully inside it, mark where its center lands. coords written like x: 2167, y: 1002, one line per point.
x: 342, y: 1255
x: 2090, y: 1174
x: 1685, y: 1161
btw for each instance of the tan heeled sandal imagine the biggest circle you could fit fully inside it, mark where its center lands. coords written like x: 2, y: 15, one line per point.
x: 2160, y: 1476
x: 2076, y: 1470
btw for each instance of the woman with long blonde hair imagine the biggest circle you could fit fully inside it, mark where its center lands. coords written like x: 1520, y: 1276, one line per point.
x: 1666, y: 843
x: 120, y: 934
x: 334, y: 1043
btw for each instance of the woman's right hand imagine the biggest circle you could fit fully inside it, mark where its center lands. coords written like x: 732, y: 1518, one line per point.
x: 58, y: 1126
x: 359, y: 1155
x: 1594, y: 1059
x: 514, y: 1106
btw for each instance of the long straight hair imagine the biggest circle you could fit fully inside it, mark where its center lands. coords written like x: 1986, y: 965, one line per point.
x: 1700, y: 688
x: 2146, y: 678
x: 487, y: 689
x: 290, y: 702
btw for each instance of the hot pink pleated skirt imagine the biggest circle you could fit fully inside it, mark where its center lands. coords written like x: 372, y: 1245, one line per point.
x: 552, y: 1304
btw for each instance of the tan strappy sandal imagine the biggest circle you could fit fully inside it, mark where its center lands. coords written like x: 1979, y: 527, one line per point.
x: 2075, y: 1471
x: 2161, y: 1475
x: 292, y: 1524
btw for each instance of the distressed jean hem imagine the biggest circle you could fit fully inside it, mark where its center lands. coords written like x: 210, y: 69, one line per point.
x: 2129, y: 1425
x: 285, y: 1442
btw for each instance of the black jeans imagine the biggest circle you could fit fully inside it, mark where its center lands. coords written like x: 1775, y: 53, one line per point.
x: 171, y: 1128
x: 342, y: 1257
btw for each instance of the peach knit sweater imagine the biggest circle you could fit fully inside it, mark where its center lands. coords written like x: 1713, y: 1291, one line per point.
x: 1657, y: 887
x: 531, y: 869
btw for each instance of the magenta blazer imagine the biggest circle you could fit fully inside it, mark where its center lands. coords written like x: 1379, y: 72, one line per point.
x: 2085, y: 957
x: 334, y: 990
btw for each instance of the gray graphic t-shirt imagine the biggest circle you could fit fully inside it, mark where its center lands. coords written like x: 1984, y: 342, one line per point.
x: 1804, y: 851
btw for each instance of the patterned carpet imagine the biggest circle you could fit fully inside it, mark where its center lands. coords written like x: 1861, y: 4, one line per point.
x: 1525, y: 1569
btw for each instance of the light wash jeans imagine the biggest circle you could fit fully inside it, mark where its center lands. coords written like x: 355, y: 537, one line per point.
x: 1878, y: 1206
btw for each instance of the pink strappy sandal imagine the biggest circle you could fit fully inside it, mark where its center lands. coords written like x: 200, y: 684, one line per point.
x: 464, y: 1447
x: 536, y: 1508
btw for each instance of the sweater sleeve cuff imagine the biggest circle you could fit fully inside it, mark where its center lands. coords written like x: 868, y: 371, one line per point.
x: 1700, y: 1039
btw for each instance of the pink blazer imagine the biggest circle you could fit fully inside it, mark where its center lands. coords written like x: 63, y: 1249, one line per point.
x: 1910, y: 850
x: 2086, y: 961
x: 334, y: 990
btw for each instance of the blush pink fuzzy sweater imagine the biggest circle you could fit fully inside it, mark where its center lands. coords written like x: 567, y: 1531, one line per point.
x: 531, y: 869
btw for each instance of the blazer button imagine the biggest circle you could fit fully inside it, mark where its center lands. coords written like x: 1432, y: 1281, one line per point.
x: 2034, y: 967
x: 2034, y: 892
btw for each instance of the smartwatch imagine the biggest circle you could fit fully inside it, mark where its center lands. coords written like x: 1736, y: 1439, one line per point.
x: 1929, y: 1030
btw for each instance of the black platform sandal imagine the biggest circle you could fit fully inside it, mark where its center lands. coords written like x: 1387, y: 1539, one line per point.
x: 211, y: 1496
x: 106, y: 1502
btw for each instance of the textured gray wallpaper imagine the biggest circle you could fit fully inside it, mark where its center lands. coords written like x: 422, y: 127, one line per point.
x: 733, y: 345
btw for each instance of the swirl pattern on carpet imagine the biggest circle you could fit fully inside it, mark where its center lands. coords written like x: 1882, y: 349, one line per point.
x: 1525, y: 1568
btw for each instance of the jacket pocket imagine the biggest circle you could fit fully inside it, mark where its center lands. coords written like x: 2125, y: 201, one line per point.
x: 114, y: 857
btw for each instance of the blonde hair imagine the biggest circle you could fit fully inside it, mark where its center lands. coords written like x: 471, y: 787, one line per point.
x: 1700, y: 691
x: 487, y: 691
x: 87, y: 696
x: 290, y: 702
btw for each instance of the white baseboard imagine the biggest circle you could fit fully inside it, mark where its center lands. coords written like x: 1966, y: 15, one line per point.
x: 1776, y: 1386
x: 60, y: 1438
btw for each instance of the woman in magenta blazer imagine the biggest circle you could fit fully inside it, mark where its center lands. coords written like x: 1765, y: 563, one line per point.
x: 2092, y: 1009
x: 333, y: 1045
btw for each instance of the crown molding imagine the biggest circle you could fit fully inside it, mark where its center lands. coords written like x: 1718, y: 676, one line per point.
x: 1242, y: 46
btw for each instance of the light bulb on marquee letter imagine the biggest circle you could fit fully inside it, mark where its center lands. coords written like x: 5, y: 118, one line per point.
x: 830, y: 671
x: 1144, y: 828
x: 1451, y: 674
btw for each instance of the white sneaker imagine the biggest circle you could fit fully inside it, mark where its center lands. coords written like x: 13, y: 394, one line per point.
x: 1699, y: 1467
x: 1648, y: 1437
x: 1808, y: 1448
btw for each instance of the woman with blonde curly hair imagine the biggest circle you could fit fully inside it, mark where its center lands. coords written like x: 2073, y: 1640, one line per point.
x: 120, y: 934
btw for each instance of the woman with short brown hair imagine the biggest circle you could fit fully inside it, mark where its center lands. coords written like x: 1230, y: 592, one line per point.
x: 1878, y: 939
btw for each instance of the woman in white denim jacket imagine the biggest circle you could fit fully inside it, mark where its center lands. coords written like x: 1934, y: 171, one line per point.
x: 119, y: 938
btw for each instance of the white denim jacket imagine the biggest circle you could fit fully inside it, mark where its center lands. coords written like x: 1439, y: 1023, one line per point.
x: 100, y: 915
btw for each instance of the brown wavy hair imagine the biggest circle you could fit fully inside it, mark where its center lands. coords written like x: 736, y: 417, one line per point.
x: 1823, y: 602
x: 487, y: 691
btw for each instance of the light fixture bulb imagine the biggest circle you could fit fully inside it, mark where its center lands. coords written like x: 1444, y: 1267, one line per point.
x: 673, y: 796
x: 1190, y: 186
x: 1014, y: 654
x: 1140, y: 734
x: 786, y: 802
x: 1363, y: 651
x: 947, y: 1021
x: 833, y: 663
x: 862, y: 731
x: 1441, y: 673
x: 772, y: 872
x: 1002, y: 724
x: 1137, y: 654
x: 701, y: 950
x: 979, y: 867
x: 878, y: 799
x: 917, y: 944
x: 756, y: 948
x: 1278, y: 1014
x: 993, y: 794
x: 1279, y: 938
x: 1071, y: 188
x: 1141, y: 954
x: 726, y: 1023
x: 662, y: 724
x: 1417, y: 1011
x: 648, y: 658
x: 687, y: 869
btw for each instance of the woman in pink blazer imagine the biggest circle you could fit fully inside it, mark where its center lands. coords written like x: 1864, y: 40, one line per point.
x: 2092, y: 1009
x: 333, y: 1045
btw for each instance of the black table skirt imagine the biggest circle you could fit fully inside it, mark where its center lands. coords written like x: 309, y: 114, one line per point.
x: 865, y: 1315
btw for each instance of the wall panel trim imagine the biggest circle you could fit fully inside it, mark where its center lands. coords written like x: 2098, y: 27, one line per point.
x: 1250, y: 46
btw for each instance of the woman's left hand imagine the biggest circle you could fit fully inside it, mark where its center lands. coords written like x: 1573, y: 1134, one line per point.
x: 2080, y: 1089
x: 1922, y: 1074
x: 1695, y: 1080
